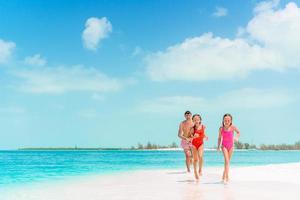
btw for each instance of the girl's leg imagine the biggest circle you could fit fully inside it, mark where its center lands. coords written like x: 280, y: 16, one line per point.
x: 230, y: 152
x: 226, y: 163
x: 200, y: 152
x: 195, y: 157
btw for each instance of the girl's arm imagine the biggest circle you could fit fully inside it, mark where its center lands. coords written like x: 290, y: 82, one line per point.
x: 237, y: 132
x: 220, y: 138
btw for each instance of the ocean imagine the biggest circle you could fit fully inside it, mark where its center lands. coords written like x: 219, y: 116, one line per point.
x: 26, y: 167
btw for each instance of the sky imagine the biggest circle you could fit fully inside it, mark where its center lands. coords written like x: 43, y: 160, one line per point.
x: 114, y: 73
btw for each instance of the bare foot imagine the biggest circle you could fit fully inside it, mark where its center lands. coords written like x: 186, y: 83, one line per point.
x: 196, y: 175
x: 225, y: 180
x: 223, y: 177
x: 200, y: 173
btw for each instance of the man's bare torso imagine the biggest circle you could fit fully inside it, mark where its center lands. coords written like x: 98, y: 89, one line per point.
x: 186, y: 127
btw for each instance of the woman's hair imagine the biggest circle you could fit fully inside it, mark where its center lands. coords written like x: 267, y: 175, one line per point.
x: 196, y: 115
x: 227, y: 115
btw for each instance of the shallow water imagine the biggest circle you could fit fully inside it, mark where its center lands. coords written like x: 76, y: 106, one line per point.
x: 19, y: 167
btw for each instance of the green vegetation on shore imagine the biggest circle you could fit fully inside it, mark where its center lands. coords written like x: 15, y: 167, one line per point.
x: 138, y: 147
x: 154, y: 146
x: 70, y: 148
x: 149, y: 145
x: 240, y: 145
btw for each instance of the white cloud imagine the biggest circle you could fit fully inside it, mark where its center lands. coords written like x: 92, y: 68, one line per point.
x: 35, y: 60
x: 220, y: 12
x: 251, y: 98
x: 6, y: 49
x: 270, y: 41
x: 171, y: 104
x: 12, y: 110
x: 278, y: 30
x: 137, y: 51
x: 243, y: 99
x: 266, y: 6
x: 88, y: 113
x: 98, y: 97
x: 95, y: 30
x: 62, y: 79
x: 208, y: 58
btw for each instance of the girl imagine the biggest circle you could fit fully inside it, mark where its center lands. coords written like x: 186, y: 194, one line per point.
x: 198, y: 134
x: 226, y: 138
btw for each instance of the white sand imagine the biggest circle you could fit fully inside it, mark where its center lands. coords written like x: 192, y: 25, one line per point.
x: 261, y: 182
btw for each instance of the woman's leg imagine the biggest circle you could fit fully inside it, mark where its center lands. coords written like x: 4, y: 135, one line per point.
x: 200, y: 152
x: 195, y: 157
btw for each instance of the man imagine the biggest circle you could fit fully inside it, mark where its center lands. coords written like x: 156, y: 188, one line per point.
x: 184, y: 133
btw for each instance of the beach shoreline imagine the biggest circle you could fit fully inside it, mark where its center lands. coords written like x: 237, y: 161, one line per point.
x: 276, y: 181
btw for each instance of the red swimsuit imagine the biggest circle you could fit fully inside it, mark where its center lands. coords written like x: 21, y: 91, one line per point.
x: 198, y: 141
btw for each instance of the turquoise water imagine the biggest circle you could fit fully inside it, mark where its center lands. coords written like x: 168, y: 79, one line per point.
x: 19, y: 167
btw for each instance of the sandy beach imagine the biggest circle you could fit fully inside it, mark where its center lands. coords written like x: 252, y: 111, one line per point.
x: 260, y: 182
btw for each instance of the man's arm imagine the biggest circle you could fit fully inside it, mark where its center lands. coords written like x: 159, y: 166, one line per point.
x: 180, y: 132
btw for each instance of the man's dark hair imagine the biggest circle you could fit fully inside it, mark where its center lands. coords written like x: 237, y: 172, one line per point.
x: 187, y: 112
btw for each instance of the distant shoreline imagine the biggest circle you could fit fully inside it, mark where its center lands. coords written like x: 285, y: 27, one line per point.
x: 172, y: 147
x: 129, y: 149
x: 92, y: 149
x: 69, y: 148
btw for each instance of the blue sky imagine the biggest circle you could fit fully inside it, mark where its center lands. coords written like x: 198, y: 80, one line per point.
x: 115, y: 73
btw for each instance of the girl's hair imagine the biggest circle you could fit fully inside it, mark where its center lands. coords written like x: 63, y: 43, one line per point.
x: 196, y: 115
x: 227, y: 115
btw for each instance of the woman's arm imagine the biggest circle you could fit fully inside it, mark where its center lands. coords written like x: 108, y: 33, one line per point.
x: 204, y: 131
x: 191, y: 134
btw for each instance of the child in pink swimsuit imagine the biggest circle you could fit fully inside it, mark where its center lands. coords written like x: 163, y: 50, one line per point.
x: 226, y: 138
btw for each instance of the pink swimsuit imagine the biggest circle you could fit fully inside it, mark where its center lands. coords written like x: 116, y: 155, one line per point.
x: 227, y: 139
